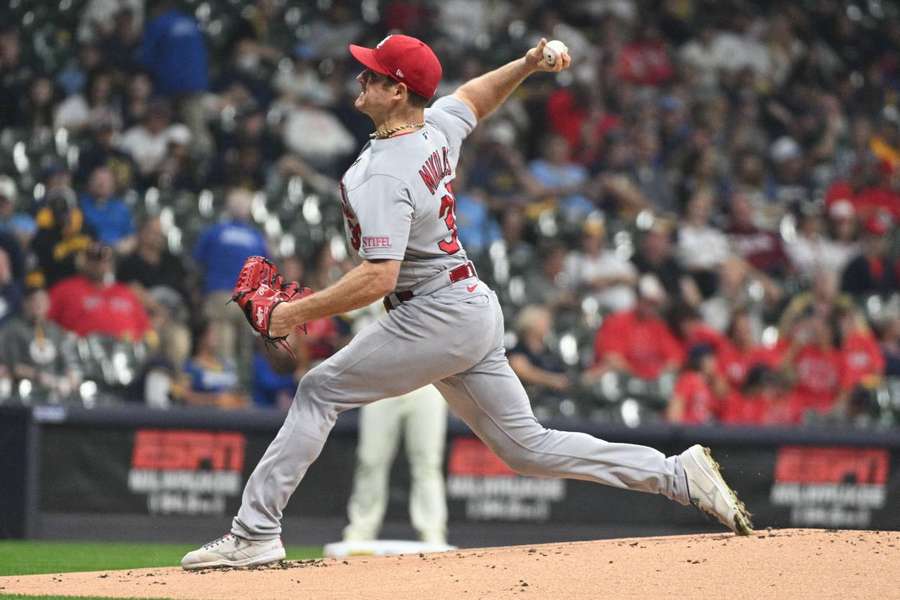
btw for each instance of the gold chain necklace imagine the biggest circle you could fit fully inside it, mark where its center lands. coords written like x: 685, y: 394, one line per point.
x: 386, y: 133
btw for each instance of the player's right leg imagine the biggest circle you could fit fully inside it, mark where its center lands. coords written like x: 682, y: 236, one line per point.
x: 491, y: 400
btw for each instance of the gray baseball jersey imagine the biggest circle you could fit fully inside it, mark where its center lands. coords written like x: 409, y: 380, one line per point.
x: 398, y: 205
x: 397, y: 199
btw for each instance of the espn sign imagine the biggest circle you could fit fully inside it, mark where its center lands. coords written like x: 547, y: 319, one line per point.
x: 185, y: 471
x: 833, y: 465
x: 174, y: 450
x: 831, y: 487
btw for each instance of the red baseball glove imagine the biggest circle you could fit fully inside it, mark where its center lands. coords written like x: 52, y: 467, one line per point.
x: 258, y: 290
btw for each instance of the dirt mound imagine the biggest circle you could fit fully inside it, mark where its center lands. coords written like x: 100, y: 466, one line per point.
x: 787, y: 563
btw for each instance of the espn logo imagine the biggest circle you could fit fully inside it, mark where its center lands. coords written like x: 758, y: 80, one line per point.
x: 832, y: 465
x: 187, y: 450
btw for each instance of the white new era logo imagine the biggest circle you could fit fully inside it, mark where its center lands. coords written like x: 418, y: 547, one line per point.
x: 399, y: 73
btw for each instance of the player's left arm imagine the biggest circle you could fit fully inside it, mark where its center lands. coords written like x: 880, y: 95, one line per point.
x: 383, y: 221
x: 485, y: 93
x: 369, y: 281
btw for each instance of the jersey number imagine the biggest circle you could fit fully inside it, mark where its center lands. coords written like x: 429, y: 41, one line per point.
x: 448, y: 214
x: 353, y: 228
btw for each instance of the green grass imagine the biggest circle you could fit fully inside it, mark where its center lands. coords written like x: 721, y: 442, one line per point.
x: 32, y: 557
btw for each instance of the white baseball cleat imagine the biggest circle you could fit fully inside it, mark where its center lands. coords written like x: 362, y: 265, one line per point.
x: 709, y: 492
x: 233, y: 551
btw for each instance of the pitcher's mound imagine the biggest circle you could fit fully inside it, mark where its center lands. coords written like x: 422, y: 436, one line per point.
x: 787, y: 563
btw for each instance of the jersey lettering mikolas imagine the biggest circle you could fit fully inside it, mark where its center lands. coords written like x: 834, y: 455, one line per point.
x: 397, y: 197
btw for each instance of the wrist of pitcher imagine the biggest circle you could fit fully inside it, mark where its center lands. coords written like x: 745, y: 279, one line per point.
x: 527, y: 67
x: 286, y: 318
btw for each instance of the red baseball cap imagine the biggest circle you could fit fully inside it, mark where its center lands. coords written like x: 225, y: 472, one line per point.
x: 404, y: 59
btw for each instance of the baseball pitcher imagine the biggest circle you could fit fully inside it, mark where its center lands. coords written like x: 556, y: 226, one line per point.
x: 444, y: 325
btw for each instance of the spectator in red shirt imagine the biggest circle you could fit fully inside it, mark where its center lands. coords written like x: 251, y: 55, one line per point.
x: 740, y: 352
x: 638, y: 341
x: 872, y: 186
x: 699, y: 390
x: 579, y: 115
x: 691, y: 330
x: 646, y: 60
x: 873, y: 200
x: 816, y: 365
x: 323, y: 337
x: 763, y: 399
x: 862, y: 357
x: 93, y: 303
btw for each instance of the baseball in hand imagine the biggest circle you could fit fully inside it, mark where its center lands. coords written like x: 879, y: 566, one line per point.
x: 553, y: 50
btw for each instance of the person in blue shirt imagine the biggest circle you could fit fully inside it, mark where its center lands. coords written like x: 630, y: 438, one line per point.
x: 220, y: 253
x: 20, y: 224
x: 207, y: 378
x: 271, y: 389
x: 478, y: 229
x: 563, y: 178
x: 173, y: 50
x: 109, y: 216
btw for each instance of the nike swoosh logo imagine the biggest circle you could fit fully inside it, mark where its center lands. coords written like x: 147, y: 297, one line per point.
x: 471, y: 288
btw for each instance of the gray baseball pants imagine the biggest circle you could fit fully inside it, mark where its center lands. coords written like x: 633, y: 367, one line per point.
x: 454, y: 338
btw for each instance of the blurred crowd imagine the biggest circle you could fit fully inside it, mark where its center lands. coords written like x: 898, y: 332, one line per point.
x: 696, y: 223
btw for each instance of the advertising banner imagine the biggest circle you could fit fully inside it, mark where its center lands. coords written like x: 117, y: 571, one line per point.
x: 194, y: 471
x: 173, y: 471
x: 846, y: 488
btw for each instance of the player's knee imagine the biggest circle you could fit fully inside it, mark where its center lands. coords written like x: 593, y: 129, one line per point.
x: 522, y: 461
x: 312, y: 386
x: 369, y: 469
x: 313, y: 397
x: 426, y: 467
x: 524, y: 455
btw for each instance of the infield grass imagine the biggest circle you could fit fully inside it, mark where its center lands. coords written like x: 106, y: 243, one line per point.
x: 31, y: 558
x: 34, y: 557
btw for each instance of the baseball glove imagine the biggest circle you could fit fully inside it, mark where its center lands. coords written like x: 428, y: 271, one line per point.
x: 258, y: 290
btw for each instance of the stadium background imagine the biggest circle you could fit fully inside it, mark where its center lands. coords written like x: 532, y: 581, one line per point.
x: 730, y: 171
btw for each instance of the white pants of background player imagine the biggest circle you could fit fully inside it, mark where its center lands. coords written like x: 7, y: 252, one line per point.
x: 420, y: 418
x: 452, y: 337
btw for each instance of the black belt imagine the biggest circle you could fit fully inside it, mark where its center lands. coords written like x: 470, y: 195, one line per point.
x: 456, y: 274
